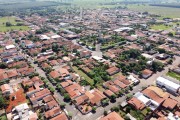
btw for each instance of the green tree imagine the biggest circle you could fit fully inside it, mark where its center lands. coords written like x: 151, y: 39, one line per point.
x: 113, y: 97
x: 157, y: 66
x: 161, y: 50
x: 26, y: 88
x: 67, y: 97
x: 128, y: 109
x: 8, y: 24
x: 93, y: 109
x: 55, y: 47
x: 70, y: 114
x: 3, y: 66
x: 126, y: 118
x: 3, y: 102
x: 105, y: 113
x: 62, y: 105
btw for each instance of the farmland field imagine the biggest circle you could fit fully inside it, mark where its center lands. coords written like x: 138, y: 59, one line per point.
x: 4, y: 28
x: 163, y: 11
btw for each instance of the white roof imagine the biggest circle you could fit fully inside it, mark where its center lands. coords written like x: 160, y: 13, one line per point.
x: 132, y: 78
x: 168, y: 83
x: 122, y: 29
x: 142, y: 98
x: 97, y: 58
x: 55, y: 36
x: 10, y: 46
x: 44, y: 37
x: 22, y: 107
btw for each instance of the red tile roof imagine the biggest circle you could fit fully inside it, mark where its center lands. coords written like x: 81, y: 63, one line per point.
x: 5, y: 88
x: 112, y: 116
x: 62, y: 116
x: 53, y: 112
x: 55, y: 74
x: 112, y: 70
x: 136, y: 103
x: 170, y: 103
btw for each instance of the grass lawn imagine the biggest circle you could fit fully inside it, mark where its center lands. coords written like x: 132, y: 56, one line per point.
x: 3, y: 27
x: 82, y: 74
x: 3, y: 117
x: 173, y: 75
x: 137, y: 114
x: 160, y: 27
x: 122, y: 113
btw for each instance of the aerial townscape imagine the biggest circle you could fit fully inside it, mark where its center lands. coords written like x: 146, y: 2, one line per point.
x: 90, y: 60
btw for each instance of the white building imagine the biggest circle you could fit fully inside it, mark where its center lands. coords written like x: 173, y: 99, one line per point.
x: 10, y: 47
x: 23, y: 112
x: 44, y: 37
x: 168, y: 85
x: 153, y: 105
x: 133, y: 79
x: 123, y: 29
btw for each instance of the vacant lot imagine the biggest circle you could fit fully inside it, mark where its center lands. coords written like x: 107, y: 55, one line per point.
x: 82, y: 74
x: 174, y: 75
x: 4, y: 28
x: 19, y: 99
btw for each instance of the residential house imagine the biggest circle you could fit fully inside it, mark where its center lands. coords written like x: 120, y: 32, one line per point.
x: 85, y: 53
x: 61, y: 116
x: 112, y: 116
x: 5, y: 89
x: 146, y: 73
x: 52, y: 113
x: 95, y: 97
x: 38, y: 96
x: 23, y: 112
x: 113, y: 70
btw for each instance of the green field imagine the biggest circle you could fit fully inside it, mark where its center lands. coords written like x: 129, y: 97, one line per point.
x: 173, y: 75
x: 4, y: 28
x: 94, y: 3
x: 163, y: 11
x: 160, y: 27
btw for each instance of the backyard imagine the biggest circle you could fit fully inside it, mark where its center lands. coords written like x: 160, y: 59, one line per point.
x: 13, y: 26
x: 3, y: 117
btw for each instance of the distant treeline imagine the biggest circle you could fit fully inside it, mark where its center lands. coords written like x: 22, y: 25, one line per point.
x: 125, y: 2
x: 27, y: 5
x: 167, y: 5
